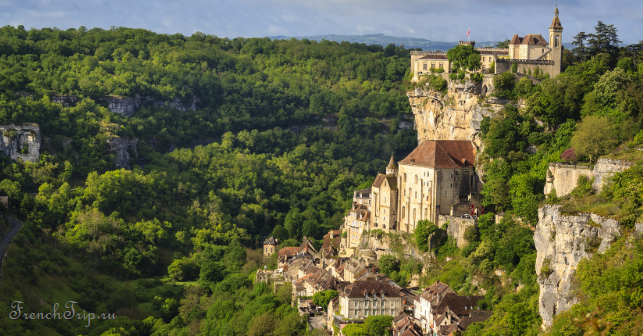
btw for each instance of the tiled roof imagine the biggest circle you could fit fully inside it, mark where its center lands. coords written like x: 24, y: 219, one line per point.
x: 467, y: 321
x: 379, y: 179
x: 460, y: 305
x: 536, y: 39
x: 556, y: 22
x: 306, y: 247
x: 442, y: 154
x: 331, y: 245
x: 270, y: 241
x: 359, y: 288
x: 392, y: 164
x: 287, y: 251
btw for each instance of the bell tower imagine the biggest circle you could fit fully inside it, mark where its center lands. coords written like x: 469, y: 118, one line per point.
x: 556, y: 43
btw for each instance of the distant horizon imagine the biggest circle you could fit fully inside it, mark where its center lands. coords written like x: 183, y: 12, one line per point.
x: 438, y: 20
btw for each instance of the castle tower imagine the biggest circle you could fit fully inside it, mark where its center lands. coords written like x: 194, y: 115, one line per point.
x: 556, y: 43
x: 391, y: 169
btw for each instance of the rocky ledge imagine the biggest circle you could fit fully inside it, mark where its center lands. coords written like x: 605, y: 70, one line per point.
x: 20, y: 142
x: 561, y: 243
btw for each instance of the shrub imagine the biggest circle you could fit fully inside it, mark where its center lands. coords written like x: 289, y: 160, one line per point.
x: 504, y: 84
x: 477, y: 77
x: 514, y: 68
x: 437, y: 70
x: 569, y: 155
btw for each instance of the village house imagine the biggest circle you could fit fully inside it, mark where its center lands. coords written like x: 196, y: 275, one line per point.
x: 425, y: 302
x: 362, y: 299
x: 269, y: 247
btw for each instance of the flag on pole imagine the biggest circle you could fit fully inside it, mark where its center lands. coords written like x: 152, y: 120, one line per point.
x: 468, y: 31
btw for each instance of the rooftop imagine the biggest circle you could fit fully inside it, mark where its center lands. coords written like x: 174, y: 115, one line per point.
x: 442, y: 154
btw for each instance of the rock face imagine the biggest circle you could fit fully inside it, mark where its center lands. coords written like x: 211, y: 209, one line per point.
x: 127, y: 106
x: 605, y: 168
x: 123, y: 105
x: 561, y: 242
x: 122, y: 148
x: 564, y: 177
x: 20, y: 141
x: 454, y: 116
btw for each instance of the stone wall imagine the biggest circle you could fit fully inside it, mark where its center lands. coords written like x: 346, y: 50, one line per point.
x: 20, y: 142
x: 456, y: 228
x: 605, y: 168
x: 524, y: 66
x: 564, y: 177
x: 122, y: 148
x: 561, y: 242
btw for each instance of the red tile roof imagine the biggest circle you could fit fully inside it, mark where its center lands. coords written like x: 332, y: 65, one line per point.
x: 287, y: 251
x: 442, y: 154
x: 530, y: 39
x: 460, y: 305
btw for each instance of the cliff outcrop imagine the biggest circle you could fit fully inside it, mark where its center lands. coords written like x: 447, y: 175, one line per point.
x: 124, y: 149
x: 455, y: 115
x: 128, y: 105
x: 20, y: 142
x: 561, y: 243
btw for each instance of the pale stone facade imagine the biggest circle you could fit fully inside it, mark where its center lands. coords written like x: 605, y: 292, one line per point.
x: 362, y: 299
x: 529, y: 52
x: 437, y: 179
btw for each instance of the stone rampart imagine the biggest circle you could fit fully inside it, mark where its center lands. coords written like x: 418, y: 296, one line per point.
x: 456, y: 228
x: 564, y: 177
x: 524, y: 66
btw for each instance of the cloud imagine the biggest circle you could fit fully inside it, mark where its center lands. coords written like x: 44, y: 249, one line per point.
x: 438, y: 20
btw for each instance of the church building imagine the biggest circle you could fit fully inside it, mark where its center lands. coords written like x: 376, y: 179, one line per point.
x: 437, y: 179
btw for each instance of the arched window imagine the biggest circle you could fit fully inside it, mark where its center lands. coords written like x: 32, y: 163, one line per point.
x: 403, y: 212
x: 557, y: 41
x: 410, y: 191
x: 404, y: 192
x: 416, y: 194
x: 426, y: 212
x: 414, y: 214
x: 404, y: 177
x: 416, y: 179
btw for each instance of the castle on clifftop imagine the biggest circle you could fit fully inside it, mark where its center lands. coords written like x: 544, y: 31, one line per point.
x: 529, y: 52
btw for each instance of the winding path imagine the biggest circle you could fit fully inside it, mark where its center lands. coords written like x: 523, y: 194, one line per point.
x: 6, y: 239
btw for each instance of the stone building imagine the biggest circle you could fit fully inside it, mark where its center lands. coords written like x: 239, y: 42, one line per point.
x: 384, y: 198
x: 437, y: 175
x: 269, y: 247
x: 425, y: 302
x: 528, y: 53
x: 362, y: 299
x: 437, y: 179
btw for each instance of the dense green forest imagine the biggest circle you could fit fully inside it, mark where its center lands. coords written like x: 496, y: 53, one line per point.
x: 193, y: 217
x: 170, y: 246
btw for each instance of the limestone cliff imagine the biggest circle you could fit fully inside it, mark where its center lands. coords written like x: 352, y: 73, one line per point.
x: 455, y: 115
x: 127, y: 106
x: 124, y: 149
x: 20, y: 141
x: 561, y: 242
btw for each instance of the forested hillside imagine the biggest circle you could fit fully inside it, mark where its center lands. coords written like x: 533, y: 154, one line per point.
x: 101, y: 236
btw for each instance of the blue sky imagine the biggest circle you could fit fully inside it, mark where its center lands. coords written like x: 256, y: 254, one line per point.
x: 438, y: 20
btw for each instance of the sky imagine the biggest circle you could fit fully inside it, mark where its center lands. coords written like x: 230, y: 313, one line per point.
x: 437, y: 20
